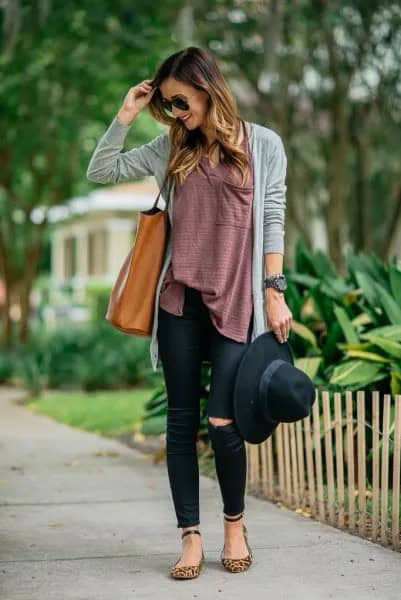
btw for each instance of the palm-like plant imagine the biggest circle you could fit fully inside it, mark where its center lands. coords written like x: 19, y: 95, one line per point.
x: 347, y: 329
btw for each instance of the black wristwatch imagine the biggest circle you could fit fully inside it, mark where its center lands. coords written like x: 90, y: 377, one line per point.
x: 277, y: 281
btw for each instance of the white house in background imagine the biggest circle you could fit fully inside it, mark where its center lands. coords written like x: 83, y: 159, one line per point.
x: 92, y: 235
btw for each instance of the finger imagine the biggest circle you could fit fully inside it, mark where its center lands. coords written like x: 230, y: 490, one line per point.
x: 286, y: 329
x: 278, y: 333
x: 145, y: 90
x: 289, y: 324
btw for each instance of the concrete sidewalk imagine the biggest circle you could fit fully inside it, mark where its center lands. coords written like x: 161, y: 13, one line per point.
x: 82, y: 526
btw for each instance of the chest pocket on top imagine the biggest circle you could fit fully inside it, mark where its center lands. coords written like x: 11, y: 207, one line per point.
x: 234, y: 204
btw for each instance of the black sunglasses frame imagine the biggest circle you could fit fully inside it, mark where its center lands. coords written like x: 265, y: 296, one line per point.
x: 179, y: 103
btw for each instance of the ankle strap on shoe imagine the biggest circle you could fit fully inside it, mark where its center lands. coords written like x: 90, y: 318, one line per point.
x: 233, y: 518
x: 190, y: 531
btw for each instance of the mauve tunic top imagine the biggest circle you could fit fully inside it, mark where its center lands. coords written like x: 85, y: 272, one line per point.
x: 212, y: 246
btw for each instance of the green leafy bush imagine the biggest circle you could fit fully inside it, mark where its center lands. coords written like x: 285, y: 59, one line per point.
x: 346, y: 330
x: 89, y: 356
x: 97, y: 296
x: 6, y: 367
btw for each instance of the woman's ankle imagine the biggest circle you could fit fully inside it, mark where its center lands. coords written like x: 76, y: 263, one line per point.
x: 189, y: 527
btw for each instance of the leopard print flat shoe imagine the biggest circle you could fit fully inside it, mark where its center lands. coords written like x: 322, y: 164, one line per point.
x: 188, y: 571
x: 238, y: 565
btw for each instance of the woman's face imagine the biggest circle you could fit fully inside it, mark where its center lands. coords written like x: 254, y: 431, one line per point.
x: 197, y: 100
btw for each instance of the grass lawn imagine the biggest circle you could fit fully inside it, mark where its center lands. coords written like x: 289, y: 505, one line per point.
x: 105, y: 412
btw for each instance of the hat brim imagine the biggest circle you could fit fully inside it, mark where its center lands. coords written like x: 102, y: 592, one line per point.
x: 252, y: 425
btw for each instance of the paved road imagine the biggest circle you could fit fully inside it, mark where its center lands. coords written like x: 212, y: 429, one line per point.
x: 82, y: 526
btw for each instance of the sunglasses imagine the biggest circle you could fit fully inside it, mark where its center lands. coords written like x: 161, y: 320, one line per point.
x: 179, y: 103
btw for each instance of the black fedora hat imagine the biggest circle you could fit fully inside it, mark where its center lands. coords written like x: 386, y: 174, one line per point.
x: 269, y: 388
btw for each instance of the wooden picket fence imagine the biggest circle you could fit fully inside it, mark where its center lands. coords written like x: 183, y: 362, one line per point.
x: 323, y: 467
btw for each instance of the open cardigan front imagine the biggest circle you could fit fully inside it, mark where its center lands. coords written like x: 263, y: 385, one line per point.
x: 109, y: 164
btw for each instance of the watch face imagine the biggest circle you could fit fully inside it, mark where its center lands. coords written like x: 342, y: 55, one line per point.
x: 279, y: 283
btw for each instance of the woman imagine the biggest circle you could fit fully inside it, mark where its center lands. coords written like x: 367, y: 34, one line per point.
x: 226, y: 212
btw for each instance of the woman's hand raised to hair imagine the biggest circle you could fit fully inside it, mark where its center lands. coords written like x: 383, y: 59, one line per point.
x: 136, y: 99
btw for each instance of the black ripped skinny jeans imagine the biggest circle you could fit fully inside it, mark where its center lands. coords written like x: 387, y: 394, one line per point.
x: 181, y: 341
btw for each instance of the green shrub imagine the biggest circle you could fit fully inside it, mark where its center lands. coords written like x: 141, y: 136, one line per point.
x: 89, y: 356
x: 346, y: 331
x: 97, y: 297
x: 6, y: 367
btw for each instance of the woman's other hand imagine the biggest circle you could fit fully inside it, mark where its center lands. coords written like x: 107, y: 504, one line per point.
x: 278, y: 314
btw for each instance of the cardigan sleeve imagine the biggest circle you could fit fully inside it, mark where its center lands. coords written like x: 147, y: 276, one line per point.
x: 109, y: 164
x: 275, y: 198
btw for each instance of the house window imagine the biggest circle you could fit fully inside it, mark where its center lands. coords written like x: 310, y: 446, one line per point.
x: 97, y: 252
x: 70, y: 257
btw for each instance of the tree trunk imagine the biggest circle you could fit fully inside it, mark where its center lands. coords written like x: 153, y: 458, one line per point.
x: 27, y: 279
x: 7, y: 323
x: 337, y: 168
x: 359, y: 135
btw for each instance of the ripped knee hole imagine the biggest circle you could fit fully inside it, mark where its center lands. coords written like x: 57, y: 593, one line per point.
x: 216, y: 421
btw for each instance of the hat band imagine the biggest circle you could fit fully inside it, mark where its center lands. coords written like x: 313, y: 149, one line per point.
x: 264, y: 384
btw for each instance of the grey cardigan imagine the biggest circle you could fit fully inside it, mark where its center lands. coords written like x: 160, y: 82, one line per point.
x: 110, y: 165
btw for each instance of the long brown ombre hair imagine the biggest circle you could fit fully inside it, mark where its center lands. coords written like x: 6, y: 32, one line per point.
x: 197, y: 67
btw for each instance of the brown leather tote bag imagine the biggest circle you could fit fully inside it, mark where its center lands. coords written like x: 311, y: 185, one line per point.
x: 132, y: 299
